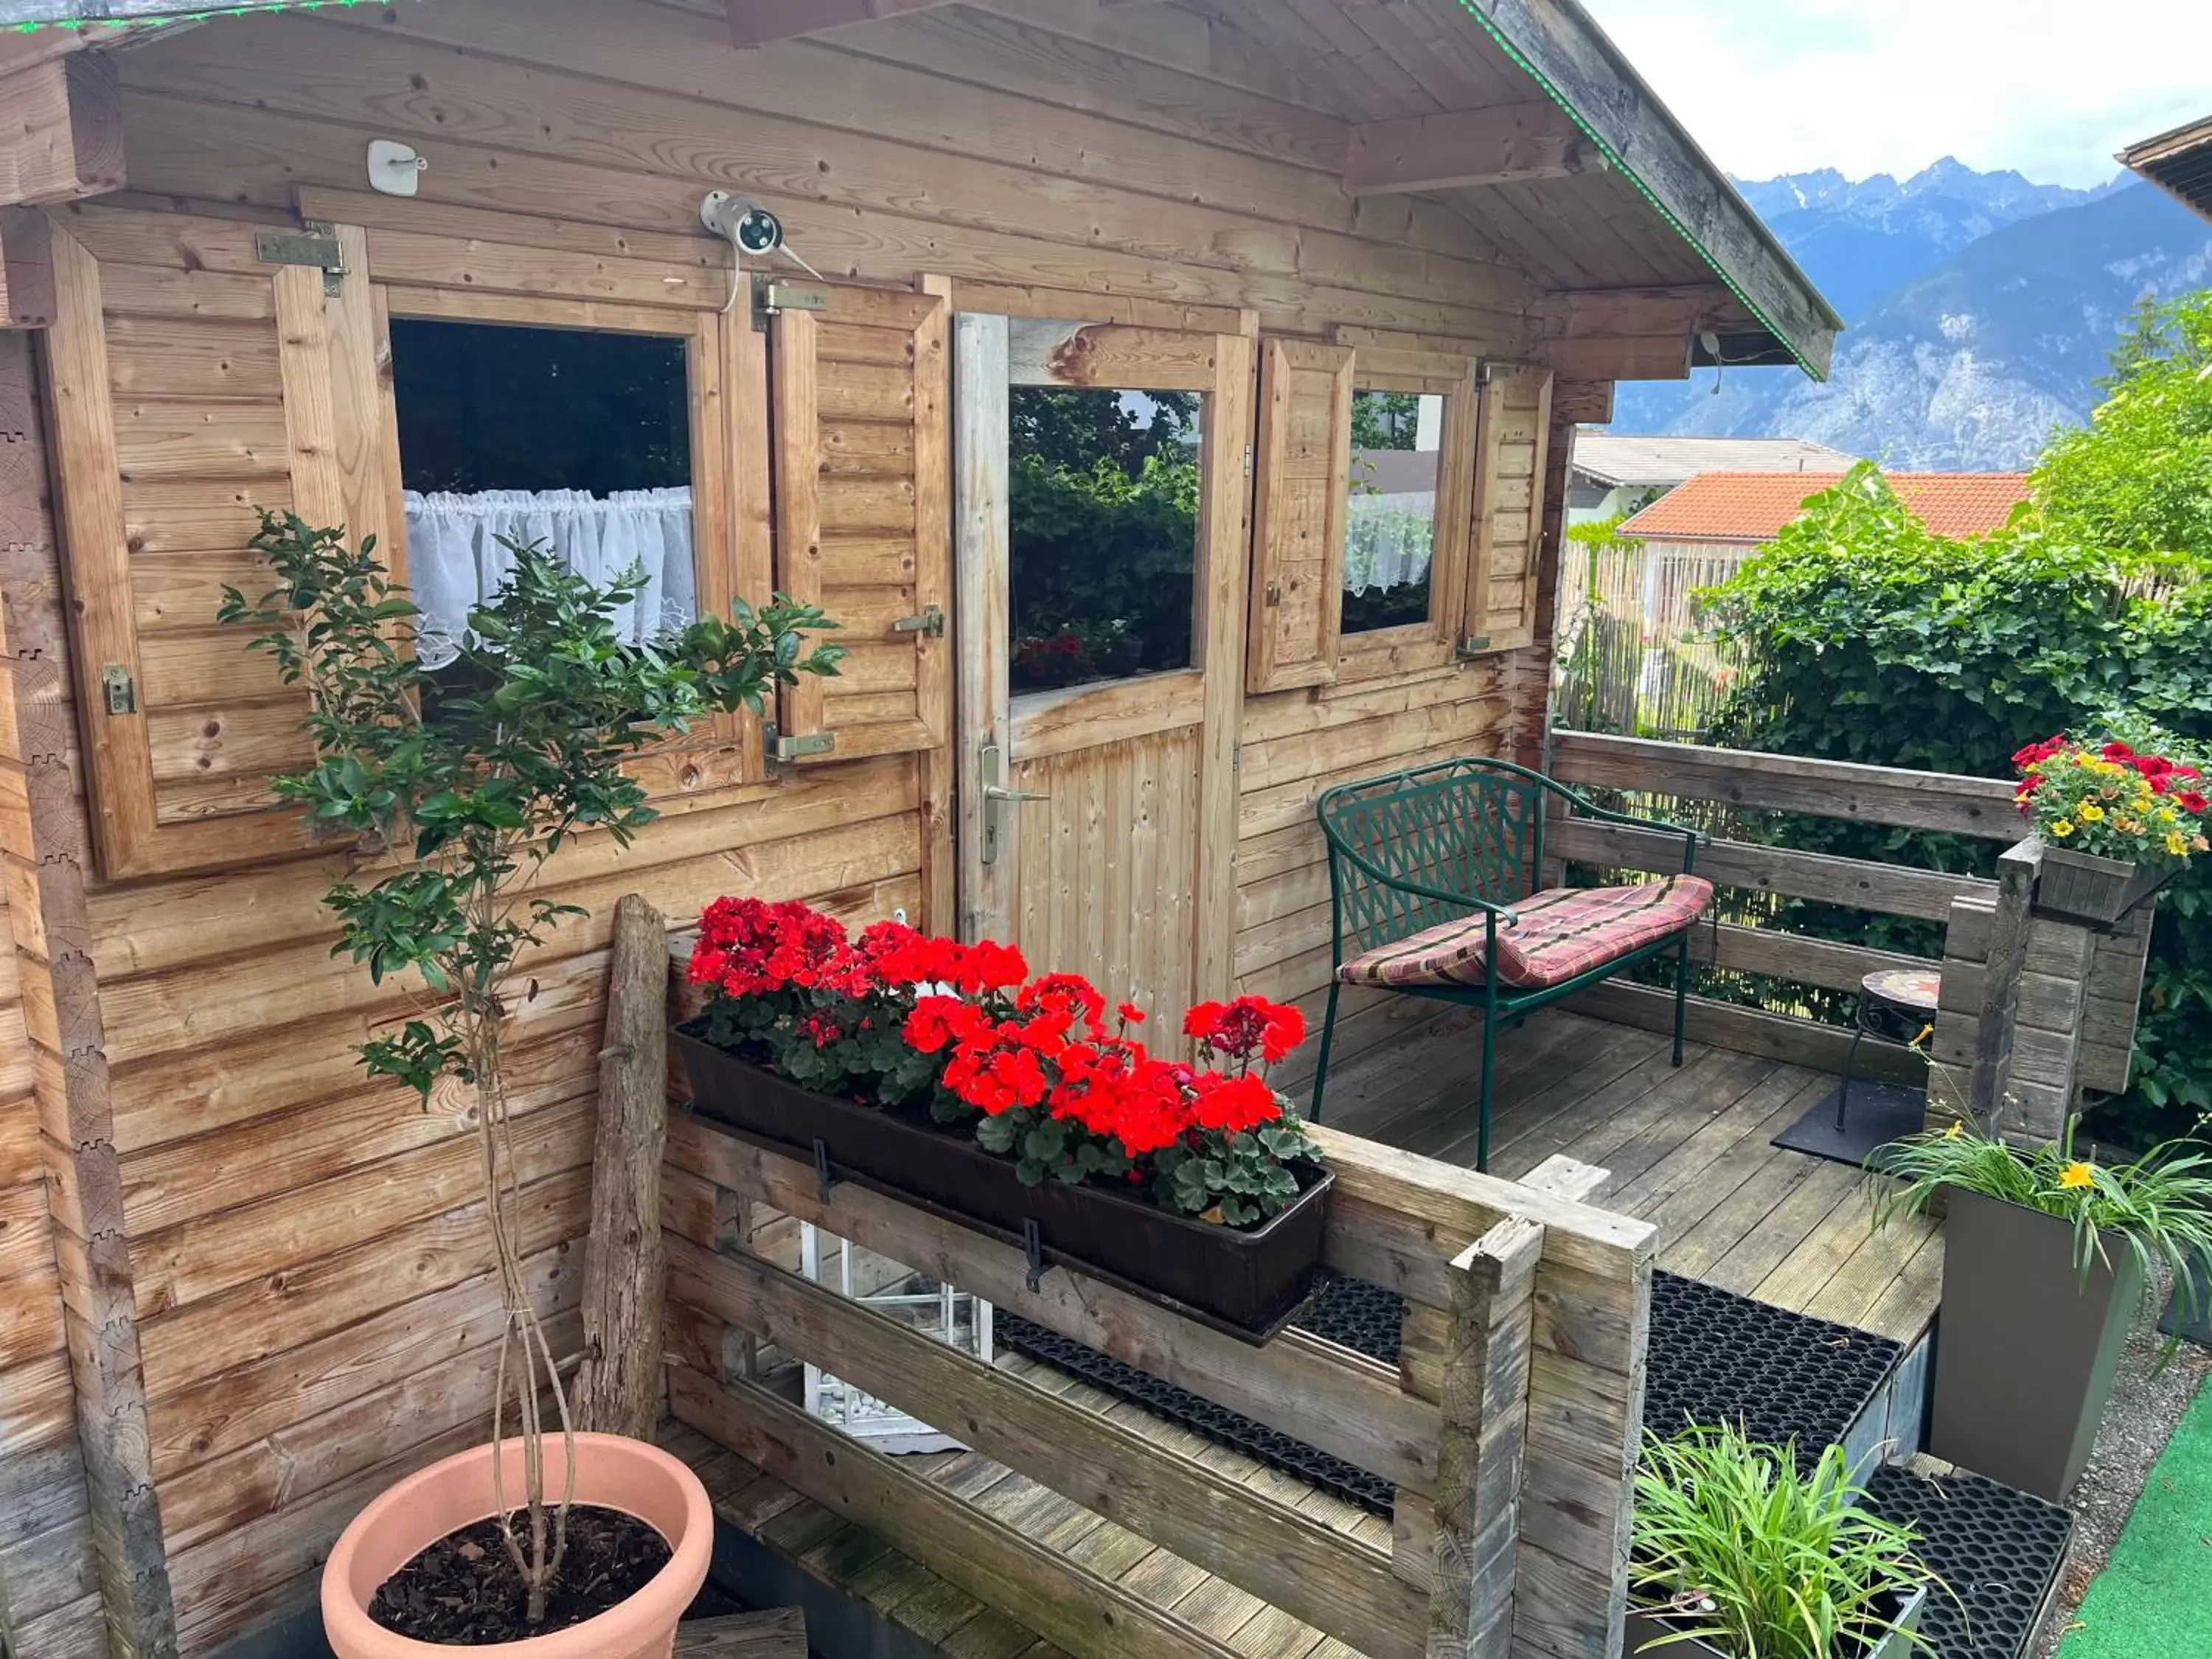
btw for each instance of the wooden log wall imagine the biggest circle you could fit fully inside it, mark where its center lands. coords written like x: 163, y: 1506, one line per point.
x: 49, y: 1569
x: 301, y: 1296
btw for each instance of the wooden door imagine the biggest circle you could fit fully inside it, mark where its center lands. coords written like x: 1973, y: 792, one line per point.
x: 1097, y: 822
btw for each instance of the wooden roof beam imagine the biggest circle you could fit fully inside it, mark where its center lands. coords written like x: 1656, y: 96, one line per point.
x: 61, y: 131
x: 1504, y: 144
x: 756, y: 22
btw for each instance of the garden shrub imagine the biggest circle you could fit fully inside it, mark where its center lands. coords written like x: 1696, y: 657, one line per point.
x: 1868, y: 638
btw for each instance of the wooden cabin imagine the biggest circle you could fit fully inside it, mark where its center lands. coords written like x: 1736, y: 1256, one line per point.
x: 241, y: 1288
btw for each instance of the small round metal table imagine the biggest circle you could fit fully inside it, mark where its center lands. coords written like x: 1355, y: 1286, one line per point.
x: 1897, y: 1003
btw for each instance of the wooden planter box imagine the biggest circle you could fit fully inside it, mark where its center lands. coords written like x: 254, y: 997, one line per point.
x: 1645, y: 1629
x: 1246, y: 1282
x: 2081, y: 887
x: 2025, y: 1352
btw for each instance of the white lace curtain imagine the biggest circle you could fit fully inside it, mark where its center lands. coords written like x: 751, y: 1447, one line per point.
x: 457, y: 558
x: 1389, y: 540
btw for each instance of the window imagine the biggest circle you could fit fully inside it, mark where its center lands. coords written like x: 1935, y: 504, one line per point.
x: 1103, y: 514
x: 571, y: 439
x: 1397, y: 446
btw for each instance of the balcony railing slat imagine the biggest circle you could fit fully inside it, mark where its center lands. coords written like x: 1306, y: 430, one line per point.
x: 1330, y: 1580
x: 1981, y: 807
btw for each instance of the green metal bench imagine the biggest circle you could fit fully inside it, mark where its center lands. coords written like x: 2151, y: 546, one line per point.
x: 1433, y: 878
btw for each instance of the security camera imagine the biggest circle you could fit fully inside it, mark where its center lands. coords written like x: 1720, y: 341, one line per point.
x: 745, y: 224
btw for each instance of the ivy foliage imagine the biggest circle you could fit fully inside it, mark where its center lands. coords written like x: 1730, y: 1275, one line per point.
x: 1868, y: 638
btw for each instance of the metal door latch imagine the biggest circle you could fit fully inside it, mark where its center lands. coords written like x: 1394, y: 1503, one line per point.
x: 997, y: 798
x: 930, y: 622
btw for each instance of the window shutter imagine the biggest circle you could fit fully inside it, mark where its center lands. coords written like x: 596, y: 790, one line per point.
x: 194, y: 382
x: 860, y: 395
x: 1302, y: 502
x: 1516, y: 433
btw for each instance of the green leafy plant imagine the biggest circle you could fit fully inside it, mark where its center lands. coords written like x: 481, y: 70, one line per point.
x: 2158, y: 1207
x: 461, y: 788
x: 1744, y: 1550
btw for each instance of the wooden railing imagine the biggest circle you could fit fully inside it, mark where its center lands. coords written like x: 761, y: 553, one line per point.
x: 1510, y: 1427
x: 1980, y: 807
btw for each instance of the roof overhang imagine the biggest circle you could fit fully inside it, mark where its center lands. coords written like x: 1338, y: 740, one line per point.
x: 2179, y: 162
x: 26, y: 16
x: 1569, y: 58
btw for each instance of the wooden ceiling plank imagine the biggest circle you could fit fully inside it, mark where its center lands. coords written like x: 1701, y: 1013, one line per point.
x: 1512, y: 143
x: 1436, y: 76
x: 757, y: 22
x: 1198, y: 43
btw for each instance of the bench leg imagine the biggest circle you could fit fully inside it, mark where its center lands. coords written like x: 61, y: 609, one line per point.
x: 1489, y: 1075
x: 1681, y: 993
x: 1328, y: 1037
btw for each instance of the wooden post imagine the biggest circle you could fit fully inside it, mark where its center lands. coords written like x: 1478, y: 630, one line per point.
x: 2016, y: 871
x: 625, y: 1267
x: 1480, y: 1450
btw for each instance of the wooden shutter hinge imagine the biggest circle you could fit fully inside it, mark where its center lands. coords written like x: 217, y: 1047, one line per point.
x: 1275, y: 593
x: 122, y: 690
x: 771, y: 297
x: 1475, y: 645
x: 317, y: 246
x: 1236, y: 757
x: 930, y: 623
x: 801, y: 746
x: 1248, y: 460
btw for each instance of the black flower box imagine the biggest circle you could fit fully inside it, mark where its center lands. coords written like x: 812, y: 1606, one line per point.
x: 1248, y: 1282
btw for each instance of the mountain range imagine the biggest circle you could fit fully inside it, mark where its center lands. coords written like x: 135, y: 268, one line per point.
x: 1983, y: 308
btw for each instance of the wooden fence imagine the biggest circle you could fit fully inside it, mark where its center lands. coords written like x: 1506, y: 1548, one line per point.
x: 1982, y: 808
x: 1635, y: 654
x: 1510, y: 1427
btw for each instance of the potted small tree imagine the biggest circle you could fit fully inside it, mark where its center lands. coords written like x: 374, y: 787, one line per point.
x: 2046, y: 1261
x: 462, y: 784
x: 2116, y: 821
x: 1740, y: 1553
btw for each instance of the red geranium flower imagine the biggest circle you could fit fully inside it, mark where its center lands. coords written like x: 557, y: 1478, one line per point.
x: 1131, y: 1014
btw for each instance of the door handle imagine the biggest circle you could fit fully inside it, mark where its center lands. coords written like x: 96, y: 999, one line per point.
x: 997, y: 798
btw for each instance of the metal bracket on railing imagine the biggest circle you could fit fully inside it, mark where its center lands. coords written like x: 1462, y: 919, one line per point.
x: 1033, y: 1248
x: 824, y: 1179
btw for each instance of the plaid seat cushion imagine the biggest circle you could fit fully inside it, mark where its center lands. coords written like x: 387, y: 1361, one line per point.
x: 1555, y: 935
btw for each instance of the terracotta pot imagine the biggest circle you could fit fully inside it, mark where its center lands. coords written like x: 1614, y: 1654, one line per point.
x: 611, y: 1472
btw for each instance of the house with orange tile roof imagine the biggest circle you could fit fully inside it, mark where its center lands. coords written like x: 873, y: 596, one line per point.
x: 1724, y: 511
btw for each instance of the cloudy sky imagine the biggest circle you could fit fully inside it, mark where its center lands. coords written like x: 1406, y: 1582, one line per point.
x: 2050, y: 87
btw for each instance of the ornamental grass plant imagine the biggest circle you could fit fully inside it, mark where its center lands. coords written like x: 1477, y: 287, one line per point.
x: 1739, y: 1547
x: 2158, y: 1207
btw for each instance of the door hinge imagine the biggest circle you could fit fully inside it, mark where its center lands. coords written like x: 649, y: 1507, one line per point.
x: 803, y: 745
x: 1236, y: 757
x: 122, y: 690
x: 317, y: 246
x: 1248, y: 460
x: 1473, y: 644
x: 771, y: 297
x: 1275, y: 593
x: 930, y: 621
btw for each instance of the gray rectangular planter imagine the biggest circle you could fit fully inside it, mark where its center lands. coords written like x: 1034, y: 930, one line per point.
x: 1645, y: 1628
x: 2025, y: 1351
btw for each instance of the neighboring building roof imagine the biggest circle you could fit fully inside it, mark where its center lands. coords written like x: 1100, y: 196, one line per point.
x: 1752, y: 506
x: 1624, y: 459
x: 2179, y: 162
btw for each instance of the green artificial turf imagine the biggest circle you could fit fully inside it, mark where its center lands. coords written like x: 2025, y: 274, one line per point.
x: 2154, y: 1599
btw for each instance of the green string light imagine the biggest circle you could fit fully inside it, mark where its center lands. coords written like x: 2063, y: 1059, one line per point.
x: 1620, y: 164
x: 184, y: 15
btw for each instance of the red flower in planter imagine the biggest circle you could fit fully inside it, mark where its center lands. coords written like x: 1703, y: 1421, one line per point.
x: 2194, y: 800
x: 1233, y: 1104
x: 1246, y: 1027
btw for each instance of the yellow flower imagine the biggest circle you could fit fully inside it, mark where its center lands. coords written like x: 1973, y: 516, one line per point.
x: 1955, y: 1131
x: 2177, y: 844
x: 2092, y: 813
x: 2078, y: 1175
x: 2062, y: 829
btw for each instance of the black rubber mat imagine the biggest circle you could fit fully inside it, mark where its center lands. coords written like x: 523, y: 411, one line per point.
x: 1202, y: 1416
x: 1997, y: 1552
x: 1716, y: 1356
x: 1877, y: 1113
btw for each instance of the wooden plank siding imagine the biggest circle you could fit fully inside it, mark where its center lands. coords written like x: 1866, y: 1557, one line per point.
x: 304, y: 1279
x: 50, y: 1569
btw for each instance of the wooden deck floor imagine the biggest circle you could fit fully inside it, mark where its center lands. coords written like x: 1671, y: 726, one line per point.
x: 1688, y: 1149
